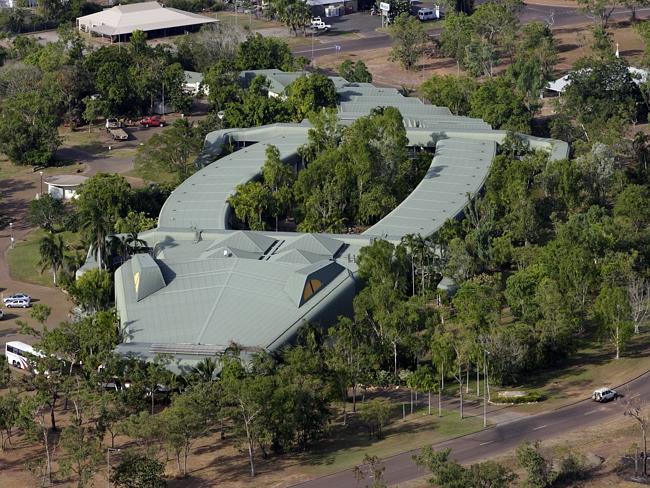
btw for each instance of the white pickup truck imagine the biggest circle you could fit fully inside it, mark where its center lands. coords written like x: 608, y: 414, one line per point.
x: 318, y: 25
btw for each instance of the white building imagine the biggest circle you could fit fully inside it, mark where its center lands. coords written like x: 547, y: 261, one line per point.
x: 118, y: 23
x: 558, y: 86
x: 14, y: 3
x: 64, y: 187
x: 194, y: 84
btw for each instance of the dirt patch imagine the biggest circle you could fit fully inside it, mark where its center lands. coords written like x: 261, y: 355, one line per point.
x: 573, y: 43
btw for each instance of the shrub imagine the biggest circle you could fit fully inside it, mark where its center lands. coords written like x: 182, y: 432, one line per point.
x: 530, y: 397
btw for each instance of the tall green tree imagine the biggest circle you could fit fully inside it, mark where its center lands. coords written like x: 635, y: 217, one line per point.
x: 612, y: 310
x: 294, y: 13
x: 246, y: 396
x: 188, y: 418
x: 409, y: 40
x: 259, y: 52
x: 454, y: 92
x: 93, y: 290
x: 83, y: 452
x: 310, y: 93
x: 46, y: 212
x: 279, y: 177
x: 456, y: 36
x: 250, y: 202
x: 496, y: 102
x: 355, y: 72
x: 29, y: 128
x: 51, y: 249
x: 172, y: 150
x: 31, y: 419
x: 349, y: 355
x: 101, y: 200
x: 602, y: 98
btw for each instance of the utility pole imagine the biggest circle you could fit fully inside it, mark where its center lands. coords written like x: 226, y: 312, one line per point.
x: 41, y: 173
x: 108, y: 463
x: 485, y: 378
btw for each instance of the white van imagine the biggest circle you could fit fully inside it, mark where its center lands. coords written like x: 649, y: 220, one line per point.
x: 428, y: 14
x: 18, y: 354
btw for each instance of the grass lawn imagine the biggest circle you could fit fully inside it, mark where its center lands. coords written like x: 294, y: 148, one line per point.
x: 592, y: 367
x: 95, y: 142
x: 10, y: 170
x: 24, y: 258
x: 159, y: 177
x: 91, y: 142
x: 346, y: 447
x: 246, y: 21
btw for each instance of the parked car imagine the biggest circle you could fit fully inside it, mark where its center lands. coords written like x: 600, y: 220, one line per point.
x: 428, y: 14
x: 2, y: 314
x: 113, y: 123
x: 17, y: 296
x: 152, y: 121
x: 318, y: 24
x: 603, y: 395
x: 18, y: 303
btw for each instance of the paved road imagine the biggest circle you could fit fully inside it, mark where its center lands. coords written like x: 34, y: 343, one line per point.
x: 499, y: 439
x: 557, y: 16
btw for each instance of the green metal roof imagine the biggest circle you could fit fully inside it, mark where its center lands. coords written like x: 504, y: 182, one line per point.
x: 206, y: 286
x: 459, y: 168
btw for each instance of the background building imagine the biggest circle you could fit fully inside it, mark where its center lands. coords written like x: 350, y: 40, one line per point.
x: 118, y: 23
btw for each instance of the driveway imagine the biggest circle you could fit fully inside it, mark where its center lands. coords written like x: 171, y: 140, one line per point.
x: 16, y: 195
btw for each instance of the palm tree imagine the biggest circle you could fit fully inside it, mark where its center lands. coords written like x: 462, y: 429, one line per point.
x: 125, y: 245
x: 51, y: 250
x: 136, y: 244
x: 119, y: 246
x: 96, y: 224
x: 205, y: 370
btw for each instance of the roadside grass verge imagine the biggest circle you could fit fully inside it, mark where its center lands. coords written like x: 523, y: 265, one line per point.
x: 593, y: 366
x: 24, y: 259
x: 345, y: 447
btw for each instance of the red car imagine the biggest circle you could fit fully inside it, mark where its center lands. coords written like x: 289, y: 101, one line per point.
x: 152, y: 121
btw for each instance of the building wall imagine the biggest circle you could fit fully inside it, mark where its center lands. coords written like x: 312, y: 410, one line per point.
x: 61, y: 193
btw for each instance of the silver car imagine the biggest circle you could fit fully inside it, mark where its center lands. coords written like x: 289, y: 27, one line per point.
x: 17, y: 296
x: 18, y: 303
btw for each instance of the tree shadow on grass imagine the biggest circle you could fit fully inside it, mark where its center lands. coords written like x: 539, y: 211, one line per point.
x: 564, y: 373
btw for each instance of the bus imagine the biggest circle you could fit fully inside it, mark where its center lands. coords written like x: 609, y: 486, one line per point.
x: 18, y: 354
